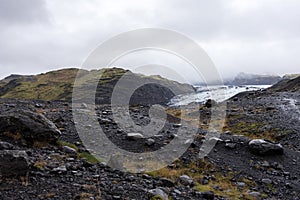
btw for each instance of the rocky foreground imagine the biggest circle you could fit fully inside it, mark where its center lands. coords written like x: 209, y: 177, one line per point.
x: 256, y: 157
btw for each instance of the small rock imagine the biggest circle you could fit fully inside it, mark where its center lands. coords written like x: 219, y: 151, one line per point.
x: 69, y: 150
x: 230, y: 145
x: 241, y: 184
x: 265, y: 164
x: 227, y: 132
x: 84, y: 106
x: 135, y: 136
x: 38, y: 105
x: 289, y: 185
x: 159, y: 193
x: 177, y: 125
x: 215, y: 139
x: 255, y: 194
x: 6, y: 146
x: 60, y: 169
x: 205, y: 181
x: 177, y: 192
x: 188, y: 141
x: 150, y: 142
x: 266, y: 181
x: 186, y: 180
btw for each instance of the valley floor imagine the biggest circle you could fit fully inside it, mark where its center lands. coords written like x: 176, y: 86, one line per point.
x: 230, y: 171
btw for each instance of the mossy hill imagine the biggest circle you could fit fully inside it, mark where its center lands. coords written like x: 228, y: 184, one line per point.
x: 58, y: 85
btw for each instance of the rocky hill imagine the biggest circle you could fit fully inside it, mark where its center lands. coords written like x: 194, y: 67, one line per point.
x: 58, y: 85
x: 254, y: 79
x: 286, y: 85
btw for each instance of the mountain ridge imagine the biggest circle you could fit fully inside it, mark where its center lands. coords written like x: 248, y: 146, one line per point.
x: 58, y: 85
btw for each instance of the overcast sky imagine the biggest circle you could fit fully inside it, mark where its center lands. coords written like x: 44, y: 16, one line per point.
x: 255, y: 36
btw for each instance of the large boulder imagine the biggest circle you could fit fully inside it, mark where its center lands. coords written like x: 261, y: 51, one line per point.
x: 13, y: 163
x: 265, y: 147
x: 27, y: 125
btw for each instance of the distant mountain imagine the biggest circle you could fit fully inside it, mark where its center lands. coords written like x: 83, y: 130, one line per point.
x: 290, y: 76
x: 58, y: 85
x: 254, y: 79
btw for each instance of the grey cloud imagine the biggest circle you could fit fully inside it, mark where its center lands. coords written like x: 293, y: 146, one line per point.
x: 38, y: 35
x: 22, y: 11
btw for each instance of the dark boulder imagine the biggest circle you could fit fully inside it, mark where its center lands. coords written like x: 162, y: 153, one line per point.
x: 265, y: 147
x: 13, y: 163
x: 27, y: 125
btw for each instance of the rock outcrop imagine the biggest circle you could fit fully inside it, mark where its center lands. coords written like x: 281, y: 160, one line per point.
x: 29, y: 126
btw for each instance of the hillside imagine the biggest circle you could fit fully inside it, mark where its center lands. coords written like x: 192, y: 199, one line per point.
x: 254, y: 79
x: 58, y: 85
x: 55, y: 85
x: 286, y: 85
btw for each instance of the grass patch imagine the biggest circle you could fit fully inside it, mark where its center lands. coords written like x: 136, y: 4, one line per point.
x: 40, y: 164
x: 89, y: 157
x: 221, y: 185
x: 63, y: 143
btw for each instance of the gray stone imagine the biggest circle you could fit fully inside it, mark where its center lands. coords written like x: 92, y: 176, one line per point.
x: 135, y: 136
x: 6, y: 146
x: 61, y: 169
x: 265, y: 164
x: 266, y: 181
x: 241, y: 184
x: 177, y: 192
x: 230, y: 145
x: 177, y: 125
x: 150, y: 142
x: 255, y: 194
x: 69, y: 150
x: 186, y: 180
x: 31, y: 126
x: 159, y: 193
x: 264, y: 147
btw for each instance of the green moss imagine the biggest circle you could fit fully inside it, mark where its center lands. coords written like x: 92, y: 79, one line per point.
x: 63, y: 143
x: 89, y: 157
x: 58, y: 85
x: 203, y: 168
x: 49, y: 86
